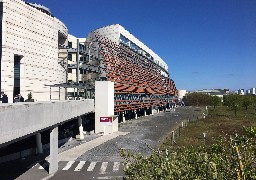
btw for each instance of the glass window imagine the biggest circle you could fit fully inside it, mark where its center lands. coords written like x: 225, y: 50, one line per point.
x: 81, y: 47
x: 123, y: 39
x: 69, y: 44
x: 70, y: 56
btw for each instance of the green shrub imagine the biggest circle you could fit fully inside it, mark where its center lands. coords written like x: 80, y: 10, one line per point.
x: 232, y: 157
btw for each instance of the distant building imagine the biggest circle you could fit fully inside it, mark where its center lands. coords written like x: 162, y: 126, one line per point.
x: 253, y: 91
x: 240, y: 92
x: 215, y: 92
x: 181, y: 93
x: 247, y: 92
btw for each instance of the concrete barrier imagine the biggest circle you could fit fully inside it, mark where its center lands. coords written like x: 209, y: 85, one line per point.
x: 21, y: 119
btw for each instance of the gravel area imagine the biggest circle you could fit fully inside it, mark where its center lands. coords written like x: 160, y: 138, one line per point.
x: 151, y: 130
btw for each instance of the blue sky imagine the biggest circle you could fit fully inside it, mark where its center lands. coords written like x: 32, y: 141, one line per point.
x: 206, y: 43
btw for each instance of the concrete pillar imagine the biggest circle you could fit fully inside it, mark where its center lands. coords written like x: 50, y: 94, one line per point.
x: 151, y: 109
x: 81, y: 128
x: 53, y: 160
x: 145, y: 112
x: 136, y: 115
x: 104, y: 102
x: 39, y: 146
x: 123, y: 117
x: 157, y: 109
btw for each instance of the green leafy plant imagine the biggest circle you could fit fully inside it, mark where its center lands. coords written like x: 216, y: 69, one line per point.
x: 29, y: 96
x: 231, y: 157
x: 215, y: 101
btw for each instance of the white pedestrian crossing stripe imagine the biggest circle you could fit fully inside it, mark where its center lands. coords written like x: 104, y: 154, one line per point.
x: 80, y: 165
x: 69, y: 164
x: 116, y: 166
x: 92, y: 166
x: 103, y: 167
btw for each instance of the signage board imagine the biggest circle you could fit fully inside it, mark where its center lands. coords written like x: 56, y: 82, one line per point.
x: 106, y: 119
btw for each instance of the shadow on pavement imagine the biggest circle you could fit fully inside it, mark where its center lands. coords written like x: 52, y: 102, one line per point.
x: 17, y: 169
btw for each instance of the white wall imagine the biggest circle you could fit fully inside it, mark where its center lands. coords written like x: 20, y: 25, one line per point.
x: 20, y: 119
x: 33, y: 35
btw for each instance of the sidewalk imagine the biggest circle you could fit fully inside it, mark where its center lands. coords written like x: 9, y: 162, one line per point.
x: 75, y: 152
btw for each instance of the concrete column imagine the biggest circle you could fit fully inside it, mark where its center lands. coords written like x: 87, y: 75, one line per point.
x: 53, y: 160
x: 39, y: 146
x: 104, y: 102
x: 123, y: 117
x: 158, y: 110
x: 81, y: 128
x: 145, y: 112
x: 136, y: 115
x: 151, y: 109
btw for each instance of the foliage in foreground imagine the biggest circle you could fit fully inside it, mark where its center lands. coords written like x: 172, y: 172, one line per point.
x: 231, y: 157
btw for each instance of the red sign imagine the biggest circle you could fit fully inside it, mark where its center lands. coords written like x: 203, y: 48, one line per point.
x: 105, y: 119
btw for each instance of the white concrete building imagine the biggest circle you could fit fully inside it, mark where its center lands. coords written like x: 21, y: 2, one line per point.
x: 241, y: 91
x: 181, y: 93
x: 253, y: 91
x: 30, y: 36
x: 248, y: 91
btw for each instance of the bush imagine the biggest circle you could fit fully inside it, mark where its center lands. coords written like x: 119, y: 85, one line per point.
x: 231, y: 157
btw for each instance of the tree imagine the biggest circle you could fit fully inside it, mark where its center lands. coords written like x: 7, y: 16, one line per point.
x: 29, y: 96
x: 233, y: 101
x: 197, y: 99
x: 30, y: 99
x: 215, y: 101
x: 246, y: 101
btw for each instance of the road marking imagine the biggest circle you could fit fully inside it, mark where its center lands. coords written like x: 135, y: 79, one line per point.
x: 116, y: 166
x: 91, y: 166
x: 110, y: 177
x: 80, y: 165
x: 69, y: 164
x: 103, y: 167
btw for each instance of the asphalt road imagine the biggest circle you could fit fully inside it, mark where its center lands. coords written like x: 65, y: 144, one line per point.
x: 104, y: 161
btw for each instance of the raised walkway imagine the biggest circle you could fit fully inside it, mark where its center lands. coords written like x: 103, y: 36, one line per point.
x: 20, y: 120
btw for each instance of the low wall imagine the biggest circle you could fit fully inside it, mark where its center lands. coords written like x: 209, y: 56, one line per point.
x: 21, y: 119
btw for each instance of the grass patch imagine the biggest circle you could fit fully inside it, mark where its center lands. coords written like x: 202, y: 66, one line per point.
x: 221, y: 121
